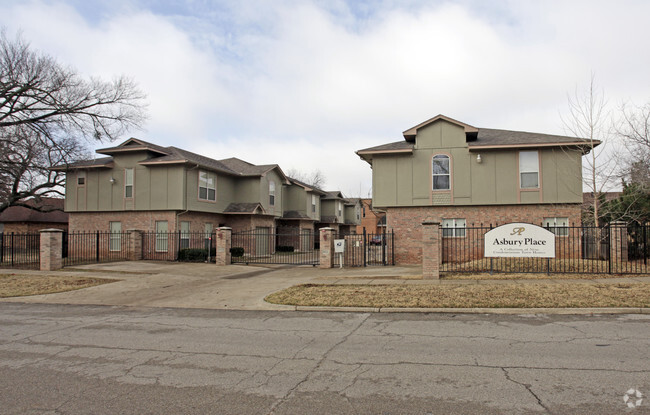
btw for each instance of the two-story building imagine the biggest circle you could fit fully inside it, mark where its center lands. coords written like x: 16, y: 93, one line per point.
x: 466, y: 176
x: 143, y: 186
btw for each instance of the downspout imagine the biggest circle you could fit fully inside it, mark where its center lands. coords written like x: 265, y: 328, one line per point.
x: 185, y: 195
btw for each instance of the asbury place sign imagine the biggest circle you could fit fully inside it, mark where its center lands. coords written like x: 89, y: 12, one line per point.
x: 520, y: 240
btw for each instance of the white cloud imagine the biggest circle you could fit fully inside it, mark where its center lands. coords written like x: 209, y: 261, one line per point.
x: 304, y: 84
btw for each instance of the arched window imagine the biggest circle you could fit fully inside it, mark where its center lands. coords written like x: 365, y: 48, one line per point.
x: 440, y: 169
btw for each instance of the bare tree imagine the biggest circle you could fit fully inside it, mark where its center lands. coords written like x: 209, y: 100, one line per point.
x: 316, y: 178
x: 47, y: 114
x: 634, y: 129
x: 589, y: 119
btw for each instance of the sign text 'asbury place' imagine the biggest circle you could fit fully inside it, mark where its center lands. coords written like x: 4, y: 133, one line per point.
x: 520, y: 240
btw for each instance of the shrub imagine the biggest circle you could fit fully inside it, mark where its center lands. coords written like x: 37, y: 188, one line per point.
x: 193, y: 255
x: 285, y: 248
x: 237, y: 251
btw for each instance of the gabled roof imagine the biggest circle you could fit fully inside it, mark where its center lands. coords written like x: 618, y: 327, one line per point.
x: 333, y: 195
x: 410, y: 134
x: 294, y: 214
x: 54, y: 213
x: 352, y: 201
x: 99, y: 163
x: 244, y: 168
x: 134, y: 144
x: 246, y: 208
x: 179, y: 156
x: 306, y: 186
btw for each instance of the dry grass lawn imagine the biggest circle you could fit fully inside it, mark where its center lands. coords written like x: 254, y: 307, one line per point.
x: 468, y: 296
x: 12, y: 285
x: 529, y: 276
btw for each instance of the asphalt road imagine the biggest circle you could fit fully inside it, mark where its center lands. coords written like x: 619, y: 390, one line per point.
x: 63, y: 359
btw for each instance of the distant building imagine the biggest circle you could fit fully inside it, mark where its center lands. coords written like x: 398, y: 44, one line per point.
x: 20, y: 219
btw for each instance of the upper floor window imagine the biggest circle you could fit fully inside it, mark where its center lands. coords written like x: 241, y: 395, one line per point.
x: 81, y: 178
x: 272, y: 193
x: 440, y: 169
x: 340, y: 207
x: 528, y: 169
x: 128, y: 183
x: 207, y: 186
x: 313, y: 203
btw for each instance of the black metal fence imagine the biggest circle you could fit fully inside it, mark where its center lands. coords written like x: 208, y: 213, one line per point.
x: 20, y: 250
x: 367, y: 249
x: 580, y: 250
x: 174, y: 246
x: 291, y: 246
x: 92, y: 247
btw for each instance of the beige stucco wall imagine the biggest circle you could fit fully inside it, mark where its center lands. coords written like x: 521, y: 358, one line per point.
x: 405, y: 179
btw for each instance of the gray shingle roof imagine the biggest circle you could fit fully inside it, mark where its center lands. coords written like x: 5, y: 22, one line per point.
x: 294, y: 214
x: 398, y: 145
x: 244, y: 208
x: 245, y: 168
x: 53, y: 212
x: 307, y: 186
x: 494, y: 137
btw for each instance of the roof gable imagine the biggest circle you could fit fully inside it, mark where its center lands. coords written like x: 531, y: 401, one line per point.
x: 409, y: 135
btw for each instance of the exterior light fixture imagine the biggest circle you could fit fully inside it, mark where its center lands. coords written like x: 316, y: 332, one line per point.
x: 112, y: 180
x: 478, y: 159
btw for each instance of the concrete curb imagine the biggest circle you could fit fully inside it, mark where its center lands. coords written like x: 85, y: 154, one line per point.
x: 556, y: 311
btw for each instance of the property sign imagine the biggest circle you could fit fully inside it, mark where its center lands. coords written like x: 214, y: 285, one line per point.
x: 339, y: 245
x: 520, y: 240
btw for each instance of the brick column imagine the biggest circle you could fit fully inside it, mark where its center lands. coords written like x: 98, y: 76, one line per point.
x: 326, y: 248
x: 431, y: 249
x: 223, y: 244
x: 51, y: 249
x: 135, y: 245
x: 618, y: 242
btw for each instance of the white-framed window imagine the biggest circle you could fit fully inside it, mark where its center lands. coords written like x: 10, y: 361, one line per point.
x: 529, y: 169
x: 207, y: 186
x: 81, y: 178
x: 313, y: 203
x: 185, y: 234
x: 162, y: 229
x: 440, y: 169
x: 454, y: 228
x: 115, y: 240
x: 559, y: 226
x: 128, y: 183
x: 272, y: 193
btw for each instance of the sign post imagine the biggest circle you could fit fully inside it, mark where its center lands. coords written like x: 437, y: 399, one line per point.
x: 339, y: 248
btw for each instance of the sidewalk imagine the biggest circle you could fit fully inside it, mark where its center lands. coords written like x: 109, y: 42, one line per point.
x: 238, y: 287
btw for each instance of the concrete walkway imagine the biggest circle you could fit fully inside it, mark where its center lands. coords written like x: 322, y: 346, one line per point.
x: 190, y: 285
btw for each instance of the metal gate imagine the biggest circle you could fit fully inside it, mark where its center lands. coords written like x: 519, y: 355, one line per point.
x: 263, y: 245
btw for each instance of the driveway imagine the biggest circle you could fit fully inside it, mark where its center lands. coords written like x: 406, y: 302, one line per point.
x: 191, y: 285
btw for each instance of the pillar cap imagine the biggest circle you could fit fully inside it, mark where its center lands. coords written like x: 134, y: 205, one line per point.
x: 50, y: 230
x: 431, y: 222
x: 224, y: 228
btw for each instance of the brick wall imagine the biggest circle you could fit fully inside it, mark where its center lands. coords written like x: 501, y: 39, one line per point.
x: 99, y: 221
x: 407, y: 221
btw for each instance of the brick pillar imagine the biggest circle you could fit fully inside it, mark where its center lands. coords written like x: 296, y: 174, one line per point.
x: 51, y: 249
x: 431, y: 250
x: 135, y: 245
x: 326, y: 248
x: 618, y: 243
x: 223, y: 244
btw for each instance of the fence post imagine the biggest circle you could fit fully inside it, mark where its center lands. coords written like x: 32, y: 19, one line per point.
x: 431, y: 250
x: 51, y: 244
x: 135, y: 242
x: 326, y: 248
x: 223, y: 244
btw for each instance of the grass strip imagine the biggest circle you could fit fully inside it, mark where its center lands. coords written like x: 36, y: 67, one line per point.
x: 14, y: 285
x: 579, y: 295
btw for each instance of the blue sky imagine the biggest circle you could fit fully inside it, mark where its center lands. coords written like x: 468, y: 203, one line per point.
x: 306, y: 83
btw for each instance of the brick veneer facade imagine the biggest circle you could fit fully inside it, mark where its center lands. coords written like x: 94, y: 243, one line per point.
x: 407, y: 221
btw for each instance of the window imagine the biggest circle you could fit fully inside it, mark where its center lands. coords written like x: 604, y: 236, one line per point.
x: 356, y: 208
x: 453, y: 228
x: 115, y: 241
x: 128, y: 183
x: 272, y: 193
x: 185, y: 235
x: 364, y: 211
x: 440, y: 169
x: 528, y: 169
x: 81, y: 178
x: 313, y: 203
x: 207, y: 186
x: 161, y: 235
x: 559, y: 226
x: 340, y: 207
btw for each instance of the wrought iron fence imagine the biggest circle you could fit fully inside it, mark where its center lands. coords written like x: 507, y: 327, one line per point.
x: 290, y: 246
x: 366, y: 249
x: 92, y: 247
x: 175, y: 246
x: 20, y: 250
x: 580, y: 250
